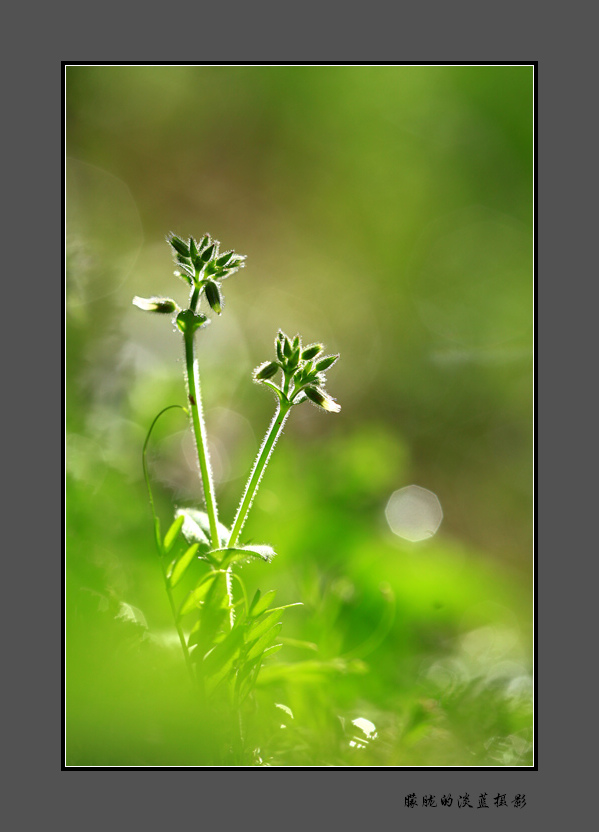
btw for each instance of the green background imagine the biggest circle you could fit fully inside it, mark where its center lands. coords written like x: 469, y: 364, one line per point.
x: 386, y: 211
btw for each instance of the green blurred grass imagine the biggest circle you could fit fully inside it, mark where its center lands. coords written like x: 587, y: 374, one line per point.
x: 388, y: 212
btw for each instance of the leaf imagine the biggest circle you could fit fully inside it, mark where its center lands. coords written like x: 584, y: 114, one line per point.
x: 198, y: 594
x: 264, y: 642
x: 260, y: 627
x: 175, y: 574
x: 234, y: 554
x: 304, y: 645
x: 261, y: 603
x: 270, y: 651
x: 224, y: 651
x: 172, y: 534
x: 311, y: 670
x: 196, y: 527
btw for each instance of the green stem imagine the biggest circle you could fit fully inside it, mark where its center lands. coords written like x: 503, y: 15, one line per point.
x: 177, y: 625
x: 157, y: 537
x: 253, y: 482
x: 199, y: 429
x: 147, y: 475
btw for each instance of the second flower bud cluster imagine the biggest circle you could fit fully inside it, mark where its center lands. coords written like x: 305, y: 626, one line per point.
x: 303, y: 373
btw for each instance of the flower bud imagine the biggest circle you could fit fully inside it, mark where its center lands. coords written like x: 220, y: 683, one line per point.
x: 224, y: 259
x: 311, y: 351
x: 325, y: 363
x: 178, y: 244
x: 213, y: 296
x: 322, y: 399
x: 266, y: 371
x: 208, y: 252
x: 163, y: 305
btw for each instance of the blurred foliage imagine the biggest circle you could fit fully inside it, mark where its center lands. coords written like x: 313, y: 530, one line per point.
x: 387, y: 211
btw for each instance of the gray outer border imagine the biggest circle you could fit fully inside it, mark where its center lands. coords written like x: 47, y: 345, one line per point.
x: 552, y: 791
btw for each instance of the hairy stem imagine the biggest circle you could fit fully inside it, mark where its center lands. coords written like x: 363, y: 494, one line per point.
x: 260, y: 464
x: 199, y: 430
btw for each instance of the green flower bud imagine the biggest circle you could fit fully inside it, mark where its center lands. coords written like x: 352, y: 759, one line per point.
x: 162, y: 305
x: 311, y: 351
x: 178, y: 244
x: 322, y: 399
x: 213, y: 296
x: 293, y: 359
x: 208, y: 252
x: 325, y: 363
x: 279, y: 348
x: 204, y: 242
x: 224, y: 259
x: 193, y: 251
x: 266, y: 370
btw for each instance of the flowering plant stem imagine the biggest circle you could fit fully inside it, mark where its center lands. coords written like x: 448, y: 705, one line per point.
x: 199, y: 430
x: 260, y: 464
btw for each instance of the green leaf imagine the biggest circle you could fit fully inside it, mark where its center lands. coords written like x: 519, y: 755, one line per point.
x: 258, y: 628
x: 188, y: 321
x: 198, y: 594
x: 235, y: 554
x: 196, y: 527
x: 311, y: 670
x: 172, y: 534
x: 261, y: 603
x: 175, y: 574
x: 304, y: 645
x: 223, y: 652
x: 264, y: 642
x: 270, y: 651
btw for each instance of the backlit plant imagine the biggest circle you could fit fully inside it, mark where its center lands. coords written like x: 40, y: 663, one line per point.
x: 225, y: 637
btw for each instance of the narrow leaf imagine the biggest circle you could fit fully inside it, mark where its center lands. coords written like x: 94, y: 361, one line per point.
x: 181, y: 565
x: 261, y: 603
x: 224, y: 650
x: 258, y: 628
x: 270, y: 651
x: 264, y: 642
x: 198, y: 594
x: 172, y: 534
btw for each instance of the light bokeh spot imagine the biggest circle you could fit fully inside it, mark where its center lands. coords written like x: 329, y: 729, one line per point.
x: 414, y: 513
